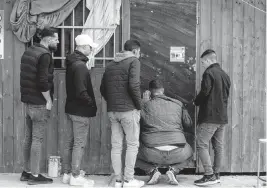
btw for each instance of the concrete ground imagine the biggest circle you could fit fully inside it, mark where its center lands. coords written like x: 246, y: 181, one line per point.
x: 12, y: 180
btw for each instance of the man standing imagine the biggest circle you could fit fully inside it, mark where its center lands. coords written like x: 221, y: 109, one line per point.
x: 36, y: 84
x: 80, y: 107
x: 120, y: 87
x: 212, y: 101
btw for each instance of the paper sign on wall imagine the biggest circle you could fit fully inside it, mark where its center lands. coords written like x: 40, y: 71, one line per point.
x: 177, y: 54
x: 1, y: 34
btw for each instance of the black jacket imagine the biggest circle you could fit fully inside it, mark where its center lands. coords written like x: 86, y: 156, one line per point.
x: 36, y: 74
x: 213, y: 97
x: 80, y: 94
x: 121, y: 83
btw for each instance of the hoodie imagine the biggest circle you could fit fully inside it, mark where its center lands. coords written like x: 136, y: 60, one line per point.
x: 80, y: 94
x: 120, y: 84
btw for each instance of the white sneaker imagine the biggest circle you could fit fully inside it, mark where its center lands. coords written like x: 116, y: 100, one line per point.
x: 133, y: 183
x: 66, y: 178
x: 118, y: 184
x: 81, y: 181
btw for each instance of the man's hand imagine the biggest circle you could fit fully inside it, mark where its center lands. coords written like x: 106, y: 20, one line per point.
x: 49, y: 105
x: 146, y: 95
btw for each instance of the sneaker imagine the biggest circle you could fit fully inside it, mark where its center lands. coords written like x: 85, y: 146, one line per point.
x: 133, y: 183
x: 25, y: 176
x: 172, y: 178
x: 66, y: 178
x: 154, y: 177
x: 118, y: 184
x: 217, y: 175
x: 206, y: 180
x: 40, y: 179
x: 81, y: 181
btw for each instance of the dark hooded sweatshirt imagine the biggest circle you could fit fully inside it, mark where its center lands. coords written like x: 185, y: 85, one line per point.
x: 80, y: 94
x: 121, y: 83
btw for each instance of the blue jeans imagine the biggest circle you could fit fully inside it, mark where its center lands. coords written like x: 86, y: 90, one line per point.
x: 150, y: 158
x: 124, y: 124
x: 37, y: 117
x: 77, y: 129
x: 205, y: 133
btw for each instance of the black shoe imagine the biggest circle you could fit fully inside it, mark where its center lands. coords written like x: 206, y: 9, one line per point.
x: 217, y: 175
x: 39, y: 180
x: 206, y: 180
x: 172, y: 177
x: 25, y: 176
x: 154, y: 177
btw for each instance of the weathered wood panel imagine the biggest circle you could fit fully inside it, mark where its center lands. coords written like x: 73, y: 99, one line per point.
x: 226, y: 63
x: 259, y: 97
x: 243, y: 57
x: 8, y: 94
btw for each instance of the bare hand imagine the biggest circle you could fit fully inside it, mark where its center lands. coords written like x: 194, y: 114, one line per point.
x: 146, y: 95
x: 49, y: 105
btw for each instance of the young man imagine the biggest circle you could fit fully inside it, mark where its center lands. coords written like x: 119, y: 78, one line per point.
x: 36, y: 83
x: 212, y: 101
x: 163, y: 143
x: 121, y: 89
x: 80, y: 107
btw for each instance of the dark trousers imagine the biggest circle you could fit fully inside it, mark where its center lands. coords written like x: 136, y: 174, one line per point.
x: 150, y: 158
x: 36, y: 122
x: 205, y: 133
x: 76, y: 139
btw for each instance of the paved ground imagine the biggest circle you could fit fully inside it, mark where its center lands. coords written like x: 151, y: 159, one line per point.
x: 12, y: 180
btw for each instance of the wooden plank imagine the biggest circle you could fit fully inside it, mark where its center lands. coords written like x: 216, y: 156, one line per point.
x: 2, y: 5
x: 216, y: 41
x: 62, y: 118
x: 52, y: 127
x: 248, y: 85
x: 125, y: 21
x: 19, y: 117
x: 216, y: 28
x: 259, y: 128
x: 8, y: 111
x: 227, y: 65
x: 205, y: 43
x: 237, y: 84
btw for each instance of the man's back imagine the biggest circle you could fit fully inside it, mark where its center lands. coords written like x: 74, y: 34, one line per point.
x: 121, y: 85
x: 213, y: 109
x: 162, y: 122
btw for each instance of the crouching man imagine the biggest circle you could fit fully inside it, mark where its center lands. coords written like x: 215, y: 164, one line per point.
x: 162, y: 140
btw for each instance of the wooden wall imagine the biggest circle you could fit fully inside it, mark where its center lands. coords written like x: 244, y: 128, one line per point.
x: 236, y: 31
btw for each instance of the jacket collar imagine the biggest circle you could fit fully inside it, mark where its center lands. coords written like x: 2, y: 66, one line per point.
x: 214, y: 65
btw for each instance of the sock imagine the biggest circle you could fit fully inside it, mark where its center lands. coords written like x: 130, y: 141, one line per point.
x: 29, y: 172
x: 35, y: 175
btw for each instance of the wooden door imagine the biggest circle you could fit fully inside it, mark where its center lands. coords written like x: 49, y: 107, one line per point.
x: 159, y: 26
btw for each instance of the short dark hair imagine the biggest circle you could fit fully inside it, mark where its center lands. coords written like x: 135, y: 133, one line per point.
x: 130, y: 45
x: 155, y: 84
x: 47, y: 32
x: 207, y: 52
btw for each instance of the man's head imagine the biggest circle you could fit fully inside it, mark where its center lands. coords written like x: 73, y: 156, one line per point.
x: 49, y: 37
x: 133, y: 46
x: 208, y: 58
x: 85, y: 44
x: 156, y: 87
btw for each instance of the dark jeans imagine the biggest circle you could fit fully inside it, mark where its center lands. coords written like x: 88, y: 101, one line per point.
x: 150, y: 158
x: 205, y: 133
x: 76, y: 138
x: 36, y: 122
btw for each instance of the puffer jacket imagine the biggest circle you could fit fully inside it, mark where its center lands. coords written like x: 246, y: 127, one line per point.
x: 161, y: 122
x: 120, y: 85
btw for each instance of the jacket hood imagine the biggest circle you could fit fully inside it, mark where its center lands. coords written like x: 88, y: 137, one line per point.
x: 123, y: 55
x: 76, y: 56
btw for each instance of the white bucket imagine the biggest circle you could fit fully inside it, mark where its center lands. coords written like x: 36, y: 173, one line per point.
x: 54, y: 166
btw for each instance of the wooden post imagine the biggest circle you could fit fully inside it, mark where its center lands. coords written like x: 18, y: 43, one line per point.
x: 125, y: 21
